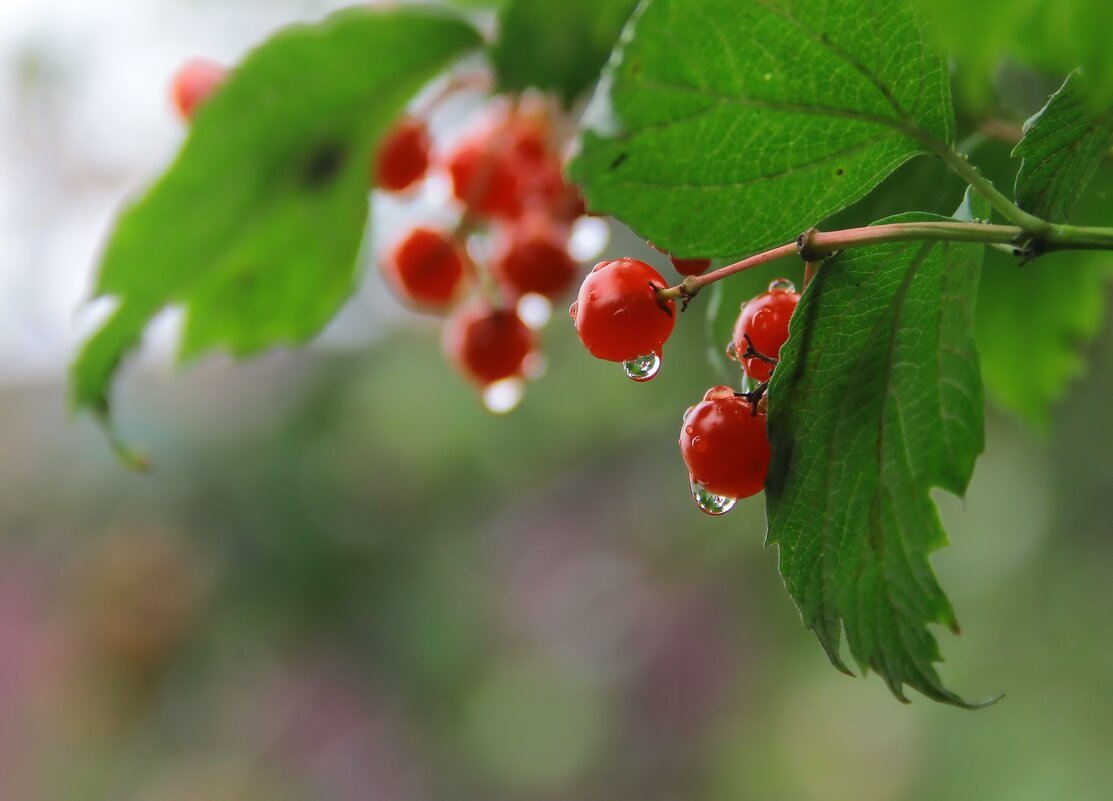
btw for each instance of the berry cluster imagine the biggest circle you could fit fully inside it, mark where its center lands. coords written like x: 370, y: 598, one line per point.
x: 513, y: 202
x: 621, y: 316
x: 507, y: 181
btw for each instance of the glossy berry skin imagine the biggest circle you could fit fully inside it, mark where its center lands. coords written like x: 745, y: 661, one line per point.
x: 193, y: 83
x: 427, y: 268
x: 765, y: 319
x: 487, y: 345
x: 725, y: 445
x: 617, y: 314
x: 403, y: 156
x: 534, y: 258
x: 690, y: 266
x: 485, y: 181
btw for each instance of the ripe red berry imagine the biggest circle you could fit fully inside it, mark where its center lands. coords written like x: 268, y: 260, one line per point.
x: 618, y: 316
x: 765, y: 321
x: 485, y: 180
x: 487, y: 344
x: 427, y: 268
x: 690, y: 266
x: 725, y: 445
x: 193, y: 83
x: 403, y: 155
x: 534, y: 257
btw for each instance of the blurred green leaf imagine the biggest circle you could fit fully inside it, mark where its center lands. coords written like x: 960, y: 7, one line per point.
x: 1062, y: 147
x: 1051, y: 35
x: 557, y: 46
x: 1031, y: 324
x: 256, y: 227
x: 730, y: 127
x: 878, y: 399
x: 1033, y: 320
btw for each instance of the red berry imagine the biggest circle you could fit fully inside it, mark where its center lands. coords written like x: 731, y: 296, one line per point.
x: 403, y: 155
x: 618, y: 316
x: 544, y: 187
x: 427, y: 268
x: 487, y: 344
x: 725, y: 444
x: 690, y: 266
x: 193, y: 83
x: 535, y: 257
x: 485, y: 180
x: 765, y: 321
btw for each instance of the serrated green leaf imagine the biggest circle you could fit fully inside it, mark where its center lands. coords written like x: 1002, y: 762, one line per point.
x: 1062, y: 147
x: 256, y: 227
x: 728, y: 127
x: 556, y: 46
x: 877, y: 399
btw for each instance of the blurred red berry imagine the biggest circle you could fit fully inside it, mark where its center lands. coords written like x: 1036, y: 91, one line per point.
x: 193, y: 83
x: 487, y: 345
x: 535, y: 258
x: 427, y: 268
x: 403, y: 155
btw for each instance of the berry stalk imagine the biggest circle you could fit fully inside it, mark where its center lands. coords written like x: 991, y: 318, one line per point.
x: 813, y: 245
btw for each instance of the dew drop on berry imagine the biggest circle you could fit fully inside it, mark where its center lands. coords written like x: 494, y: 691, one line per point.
x: 732, y: 352
x: 687, y: 412
x: 503, y: 396
x: 575, y: 307
x: 535, y: 310
x: 781, y: 285
x: 698, y: 444
x: 642, y: 368
x: 709, y: 502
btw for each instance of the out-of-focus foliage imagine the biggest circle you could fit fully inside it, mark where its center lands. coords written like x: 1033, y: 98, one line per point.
x: 256, y: 227
x: 558, y: 47
x: 1056, y: 36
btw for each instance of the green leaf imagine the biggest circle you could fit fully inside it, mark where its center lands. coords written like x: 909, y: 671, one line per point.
x: 256, y: 227
x: 558, y: 46
x: 1062, y: 147
x: 1051, y: 35
x: 1031, y: 324
x: 1033, y: 320
x: 728, y: 126
x: 877, y: 399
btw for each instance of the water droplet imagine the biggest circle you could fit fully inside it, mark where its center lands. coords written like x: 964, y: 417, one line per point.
x: 589, y: 238
x: 699, y: 444
x: 575, y: 307
x: 503, y: 396
x: 749, y: 384
x: 642, y: 368
x: 535, y: 310
x: 709, y: 502
x: 688, y: 411
x: 781, y: 285
x: 689, y: 430
x: 732, y: 352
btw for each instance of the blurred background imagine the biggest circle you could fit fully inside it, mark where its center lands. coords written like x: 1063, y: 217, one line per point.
x: 344, y: 579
